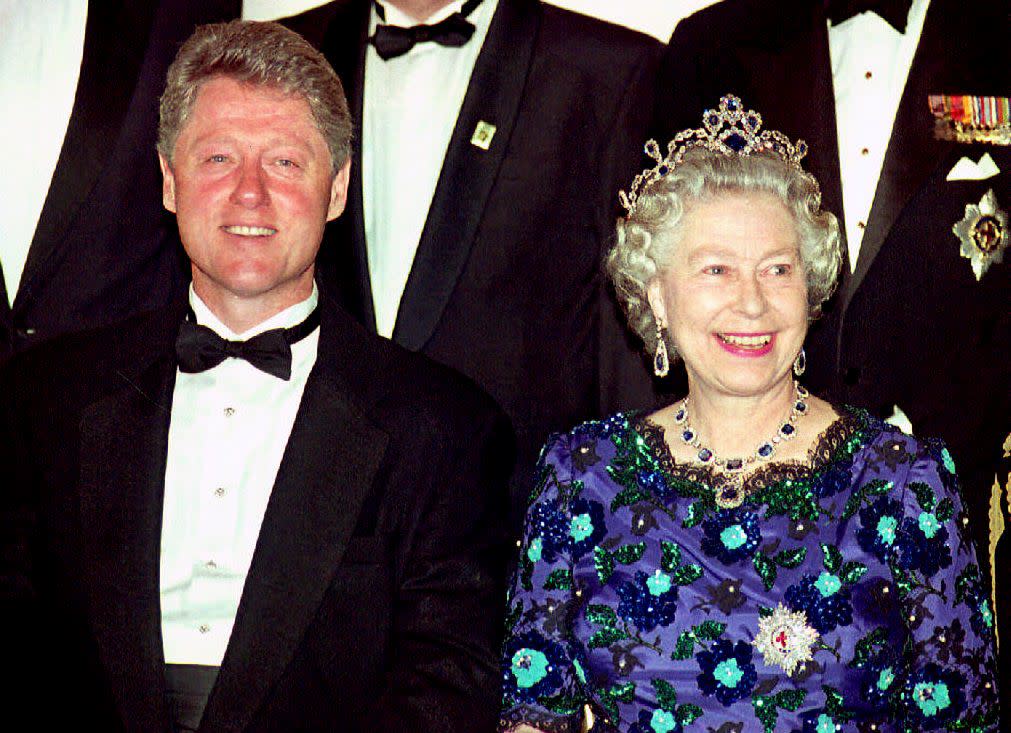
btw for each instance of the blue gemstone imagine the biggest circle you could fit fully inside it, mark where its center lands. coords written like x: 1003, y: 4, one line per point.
x: 713, y: 119
x: 800, y: 407
x: 765, y: 450
x: 735, y: 141
x: 731, y: 104
x: 664, y: 170
x: 688, y: 436
x: 787, y: 429
x: 735, y: 464
x: 679, y: 416
x: 705, y: 455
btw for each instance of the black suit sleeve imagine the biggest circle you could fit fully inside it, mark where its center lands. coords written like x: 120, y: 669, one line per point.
x: 624, y: 381
x: 447, y: 620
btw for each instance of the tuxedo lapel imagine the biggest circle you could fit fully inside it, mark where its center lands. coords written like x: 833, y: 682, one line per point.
x: 345, y: 45
x: 109, y: 72
x: 913, y: 153
x: 326, y: 473
x: 468, y: 172
x: 124, y: 439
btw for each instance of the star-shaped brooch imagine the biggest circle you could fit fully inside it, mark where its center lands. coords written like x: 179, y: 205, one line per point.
x: 983, y: 233
x: 785, y: 639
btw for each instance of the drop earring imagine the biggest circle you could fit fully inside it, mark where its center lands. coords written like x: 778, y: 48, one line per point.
x: 800, y: 363
x: 661, y: 362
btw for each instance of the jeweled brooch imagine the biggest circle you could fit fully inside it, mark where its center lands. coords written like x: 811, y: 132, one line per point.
x: 785, y: 639
x: 983, y: 233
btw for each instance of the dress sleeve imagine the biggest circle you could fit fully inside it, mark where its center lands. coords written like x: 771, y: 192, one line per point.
x: 950, y: 678
x: 543, y: 681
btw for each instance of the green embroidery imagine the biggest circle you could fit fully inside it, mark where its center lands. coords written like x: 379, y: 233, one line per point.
x: 559, y: 579
x: 603, y: 561
x: 767, y: 706
x: 628, y: 554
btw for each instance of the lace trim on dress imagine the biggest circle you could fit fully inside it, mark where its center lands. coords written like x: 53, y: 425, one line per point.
x: 526, y: 715
x: 850, y: 423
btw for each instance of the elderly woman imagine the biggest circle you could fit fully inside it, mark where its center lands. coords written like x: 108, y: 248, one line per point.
x: 749, y: 558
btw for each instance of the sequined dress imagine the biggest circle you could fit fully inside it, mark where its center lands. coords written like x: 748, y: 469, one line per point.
x: 841, y: 595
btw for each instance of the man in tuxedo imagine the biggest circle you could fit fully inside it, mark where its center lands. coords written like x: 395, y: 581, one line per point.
x: 83, y: 239
x: 495, y: 136
x: 919, y: 330
x: 244, y: 512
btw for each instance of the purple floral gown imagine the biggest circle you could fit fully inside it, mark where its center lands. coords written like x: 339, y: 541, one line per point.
x: 839, y: 596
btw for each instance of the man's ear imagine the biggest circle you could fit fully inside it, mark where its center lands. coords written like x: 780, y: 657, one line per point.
x: 654, y: 294
x: 339, y: 191
x: 168, y: 184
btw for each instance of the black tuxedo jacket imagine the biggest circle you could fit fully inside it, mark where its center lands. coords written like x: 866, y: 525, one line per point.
x: 911, y: 326
x: 104, y: 248
x: 373, y: 599
x: 506, y: 284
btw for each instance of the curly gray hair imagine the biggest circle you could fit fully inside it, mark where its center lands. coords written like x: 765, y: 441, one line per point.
x: 644, y: 239
x: 256, y: 53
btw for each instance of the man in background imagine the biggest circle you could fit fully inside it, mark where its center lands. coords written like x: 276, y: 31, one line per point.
x: 83, y: 241
x: 494, y: 137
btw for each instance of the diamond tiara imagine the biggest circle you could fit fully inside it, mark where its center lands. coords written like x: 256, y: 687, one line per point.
x: 730, y: 130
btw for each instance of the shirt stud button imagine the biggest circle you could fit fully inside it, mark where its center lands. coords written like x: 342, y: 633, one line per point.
x: 229, y: 411
x: 865, y: 151
x: 219, y: 492
x: 868, y: 74
x: 203, y: 628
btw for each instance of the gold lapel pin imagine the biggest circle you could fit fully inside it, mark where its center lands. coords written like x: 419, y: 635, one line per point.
x: 483, y: 133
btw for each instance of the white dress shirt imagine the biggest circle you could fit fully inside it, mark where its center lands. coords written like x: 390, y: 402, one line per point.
x: 409, y: 110
x: 870, y: 63
x: 41, y: 46
x: 229, y: 428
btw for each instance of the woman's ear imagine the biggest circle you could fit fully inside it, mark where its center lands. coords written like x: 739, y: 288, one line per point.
x: 657, y: 304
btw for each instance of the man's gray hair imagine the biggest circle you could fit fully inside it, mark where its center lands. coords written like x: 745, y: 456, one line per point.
x: 266, y: 54
x: 646, y: 239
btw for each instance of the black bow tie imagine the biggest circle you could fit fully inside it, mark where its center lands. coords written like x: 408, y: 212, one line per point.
x: 895, y: 12
x: 198, y: 348
x: 393, y: 40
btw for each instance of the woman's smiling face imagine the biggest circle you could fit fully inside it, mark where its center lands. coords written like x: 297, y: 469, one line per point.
x: 734, y: 295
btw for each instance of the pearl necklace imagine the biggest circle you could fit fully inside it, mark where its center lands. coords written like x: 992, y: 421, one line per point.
x: 732, y: 495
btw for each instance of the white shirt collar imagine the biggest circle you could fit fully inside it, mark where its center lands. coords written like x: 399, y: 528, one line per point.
x: 290, y: 316
x: 395, y: 16
x: 914, y: 19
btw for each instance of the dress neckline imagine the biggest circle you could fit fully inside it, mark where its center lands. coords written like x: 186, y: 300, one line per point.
x: 848, y: 431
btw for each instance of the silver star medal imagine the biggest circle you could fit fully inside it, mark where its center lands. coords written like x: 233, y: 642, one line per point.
x: 983, y: 233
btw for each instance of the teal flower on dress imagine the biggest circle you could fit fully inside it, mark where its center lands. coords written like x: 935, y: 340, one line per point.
x: 928, y: 524
x: 727, y: 671
x: 828, y: 584
x: 648, y: 601
x: 586, y: 527
x: 658, y: 583
x: 947, y: 460
x: 662, y: 721
x: 933, y: 696
x: 535, y: 549
x: 823, y: 598
x: 879, y: 525
x: 731, y: 535
x: 531, y: 667
x: 818, y: 723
